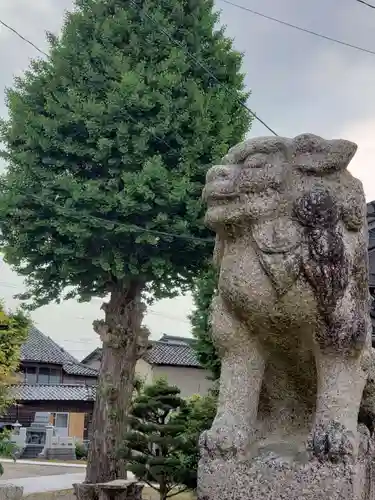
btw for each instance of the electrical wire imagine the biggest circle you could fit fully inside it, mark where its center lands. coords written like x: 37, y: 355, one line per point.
x: 203, y: 66
x: 148, y: 311
x: 151, y: 311
x: 299, y: 28
x: 366, y: 3
x: 175, y: 42
x: 45, y: 54
x: 133, y: 228
x: 23, y: 37
x: 129, y: 227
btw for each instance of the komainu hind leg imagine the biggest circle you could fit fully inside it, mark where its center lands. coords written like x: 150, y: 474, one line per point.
x: 341, y: 380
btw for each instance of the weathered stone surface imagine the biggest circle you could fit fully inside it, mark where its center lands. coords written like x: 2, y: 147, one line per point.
x: 270, y: 478
x: 119, y: 489
x: 290, y: 320
x: 10, y: 492
x: 85, y: 491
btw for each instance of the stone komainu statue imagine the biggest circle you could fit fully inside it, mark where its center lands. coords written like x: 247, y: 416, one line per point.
x: 291, y: 317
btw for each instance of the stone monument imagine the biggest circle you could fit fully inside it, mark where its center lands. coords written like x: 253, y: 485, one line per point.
x: 290, y: 322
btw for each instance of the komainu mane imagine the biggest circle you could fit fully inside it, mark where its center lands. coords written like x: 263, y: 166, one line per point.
x: 291, y: 317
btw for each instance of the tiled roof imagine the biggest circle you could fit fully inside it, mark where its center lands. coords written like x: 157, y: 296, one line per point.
x: 174, y: 339
x: 95, y: 354
x: 169, y: 350
x: 26, y: 392
x: 79, y: 369
x: 165, y: 353
x: 39, y: 348
x: 371, y: 214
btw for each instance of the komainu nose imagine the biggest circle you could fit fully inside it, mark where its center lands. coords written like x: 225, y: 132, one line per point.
x: 220, y: 172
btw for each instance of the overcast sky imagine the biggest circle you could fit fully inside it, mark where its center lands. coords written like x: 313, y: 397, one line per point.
x: 300, y: 83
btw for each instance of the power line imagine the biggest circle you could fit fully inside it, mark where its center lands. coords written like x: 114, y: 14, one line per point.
x: 310, y: 32
x: 45, y: 54
x: 203, y: 66
x: 366, y: 3
x: 130, y: 227
x: 23, y: 38
x: 149, y: 129
x: 148, y: 310
x: 176, y: 42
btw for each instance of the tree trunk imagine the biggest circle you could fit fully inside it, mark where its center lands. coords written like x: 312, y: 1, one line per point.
x: 163, y: 492
x: 124, y: 341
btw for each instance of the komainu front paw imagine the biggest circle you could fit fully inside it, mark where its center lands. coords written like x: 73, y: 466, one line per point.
x: 223, y: 442
x: 332, y: 441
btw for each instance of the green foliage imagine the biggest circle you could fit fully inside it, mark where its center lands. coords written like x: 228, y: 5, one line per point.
x: 13, y: 333
x: 155, y: 445
x: 200, y: 412
x: 81, y: 451
x: 7, y: 448
x: 112, y: 133
x: 205, y: 287
x: 196, y: 416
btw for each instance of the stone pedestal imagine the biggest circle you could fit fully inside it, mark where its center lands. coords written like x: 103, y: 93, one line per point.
x: 85, y: 491
x: 274, y: 478
x: 119, y: 489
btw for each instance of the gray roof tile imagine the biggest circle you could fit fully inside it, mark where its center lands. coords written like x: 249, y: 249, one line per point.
x: 163, y: 353
x: 79, y: 369
x: 26, y: 392
x: 174, y: 351
x: 371, y: 214
x: 169, y: 350
x: 95, y: 354
x: 39, y: 348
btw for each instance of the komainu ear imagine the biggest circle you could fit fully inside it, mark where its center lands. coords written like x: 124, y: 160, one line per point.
x: 318, y: 156
x: 265, y: 145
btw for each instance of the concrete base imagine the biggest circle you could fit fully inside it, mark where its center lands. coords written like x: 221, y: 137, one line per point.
x: 60, y: 454
x: 274, y: 478
x: 11, y: 492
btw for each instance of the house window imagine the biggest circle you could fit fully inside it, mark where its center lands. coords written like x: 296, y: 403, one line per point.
x: 54, y: 376
x: 30, y: 375
x: 42, y: 375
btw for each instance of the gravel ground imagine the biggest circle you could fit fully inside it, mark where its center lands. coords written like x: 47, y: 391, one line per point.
x: 67, y: 495
x: 57, y: 495
x: 17, y: 470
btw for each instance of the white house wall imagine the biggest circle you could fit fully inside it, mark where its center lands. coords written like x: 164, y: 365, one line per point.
x: 190, y: 381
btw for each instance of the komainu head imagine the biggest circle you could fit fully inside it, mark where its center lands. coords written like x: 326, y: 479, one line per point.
x: 262, y: 178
